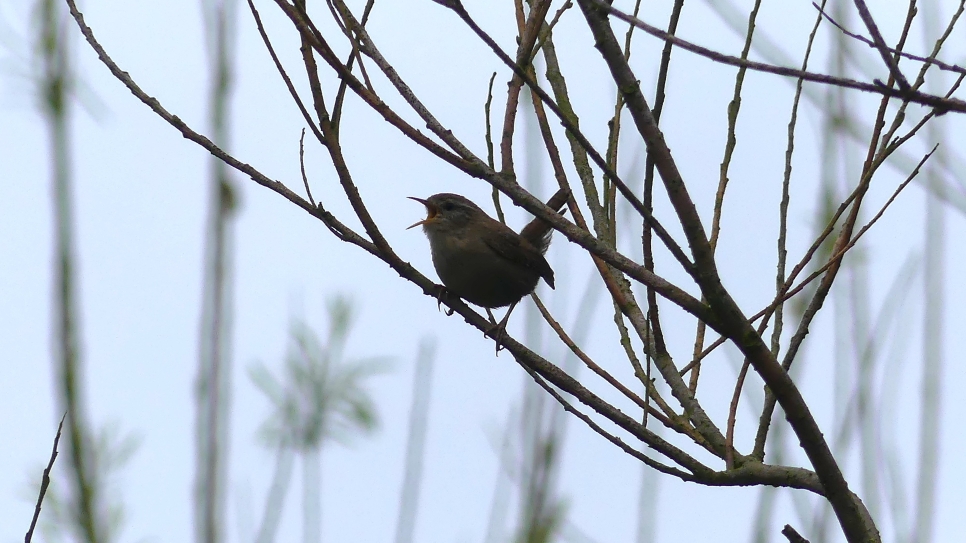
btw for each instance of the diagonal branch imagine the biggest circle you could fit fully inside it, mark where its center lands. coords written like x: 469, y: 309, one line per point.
x: 547, y: 370
x: 931, y: 100
x: 45, y: 482
x: 746, y: 474
x: 880, y: 45
x: 929, y: 61
x: 850, y: 511
x: 662, y: 233
x: 342, y: 231
x: 477, y: 168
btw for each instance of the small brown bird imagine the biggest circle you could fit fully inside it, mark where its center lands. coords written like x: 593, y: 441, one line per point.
x: 482, y: 260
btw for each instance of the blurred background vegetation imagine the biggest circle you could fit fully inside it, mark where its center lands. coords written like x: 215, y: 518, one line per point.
x: 886, y: 339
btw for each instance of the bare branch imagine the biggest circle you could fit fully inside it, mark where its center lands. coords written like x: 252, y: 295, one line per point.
x: 45, y: 482
x: 939, y: 102
x: 880, y: 45
x: 856, y: 525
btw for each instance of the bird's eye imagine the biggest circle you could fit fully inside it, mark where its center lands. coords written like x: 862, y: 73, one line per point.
x: 449, y: 206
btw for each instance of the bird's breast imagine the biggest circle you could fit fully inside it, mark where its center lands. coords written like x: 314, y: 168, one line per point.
x: 473, y: 271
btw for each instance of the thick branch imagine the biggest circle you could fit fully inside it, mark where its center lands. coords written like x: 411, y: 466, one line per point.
x: 734, y: 324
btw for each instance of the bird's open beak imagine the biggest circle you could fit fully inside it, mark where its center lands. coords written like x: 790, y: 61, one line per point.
x: 431, y: 211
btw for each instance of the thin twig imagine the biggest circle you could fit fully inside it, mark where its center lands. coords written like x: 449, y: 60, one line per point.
x: 742, y: 476
x: 869, y: 167
x: 527, y: 30
x: 848, y: 246
x: 385, y: 251
x: 790, y: 291
x: 925, y: 60
x: 581, y: 160
x: 560, y: 379
x: 782, y: 256
x: 489, y: 147
x: 340, y: 95
x: 45, y: 481
x: 607, y: 435
x: 943, y: 104
x: 305, y: 180
x: 734, y: 108
x: 613, y: 145
x: 624, y: 297
x: 489, y: 132
x: 665, y: 364
x: 464, y: 160
x: 342, y: 231
x: 921, y: 80
x: 768, y: 410
x: 447, y: 136
x: 594, y: 367
x: 548, y: 30
x: 281, y: 70
x: 672, y: 245
x: 653, y: 310
x: 617, y: 285
x: 849, y: 510
x: 752, y: 473
x: 880, y: 44
x: 477, y: 168
x: 733, y: 416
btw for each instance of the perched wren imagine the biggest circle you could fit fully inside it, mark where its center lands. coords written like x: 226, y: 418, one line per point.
x: 482, y: 260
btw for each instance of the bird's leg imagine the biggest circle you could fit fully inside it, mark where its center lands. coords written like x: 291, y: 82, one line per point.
x: 499, y: 329
x: 440, y: 294
x: 490, y: 314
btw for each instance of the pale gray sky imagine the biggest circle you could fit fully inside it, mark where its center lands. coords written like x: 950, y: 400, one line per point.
x: 140, y: 193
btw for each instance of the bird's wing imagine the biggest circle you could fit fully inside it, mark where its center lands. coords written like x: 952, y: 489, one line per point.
x: 511, y: 247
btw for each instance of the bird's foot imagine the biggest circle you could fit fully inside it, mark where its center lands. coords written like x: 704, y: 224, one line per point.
x: 498, y: 331
x: 440, y: 294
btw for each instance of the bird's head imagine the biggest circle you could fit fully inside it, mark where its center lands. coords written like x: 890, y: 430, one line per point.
x: 446, y: 212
